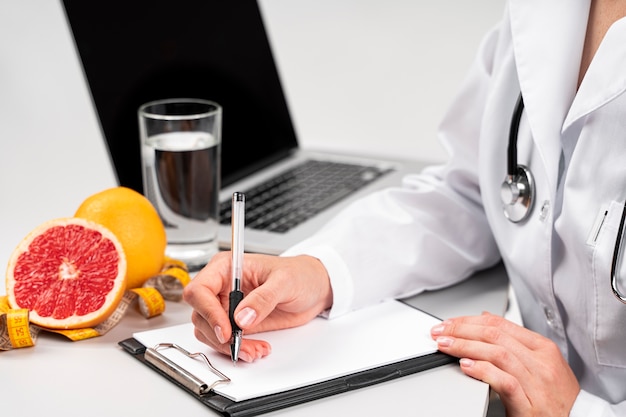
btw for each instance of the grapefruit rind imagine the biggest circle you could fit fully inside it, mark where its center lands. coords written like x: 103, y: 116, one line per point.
x: 64, y: 274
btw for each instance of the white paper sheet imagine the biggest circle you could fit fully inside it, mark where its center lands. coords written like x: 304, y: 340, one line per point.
x: 318, y: 351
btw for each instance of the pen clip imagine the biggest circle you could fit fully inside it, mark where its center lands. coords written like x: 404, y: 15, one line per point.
x: 181, y: 375
x: 237, y: 229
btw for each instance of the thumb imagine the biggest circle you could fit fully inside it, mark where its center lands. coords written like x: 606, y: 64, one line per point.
x: 255, y: 307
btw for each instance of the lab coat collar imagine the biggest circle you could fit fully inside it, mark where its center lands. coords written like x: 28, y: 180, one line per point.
x: 548, y: 38
x: 606, y: 76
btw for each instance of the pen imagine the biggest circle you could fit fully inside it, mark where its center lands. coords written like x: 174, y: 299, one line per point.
x: 235, y: 297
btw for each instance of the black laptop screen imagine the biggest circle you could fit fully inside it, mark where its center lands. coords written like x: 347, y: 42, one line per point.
x: 142, y: 50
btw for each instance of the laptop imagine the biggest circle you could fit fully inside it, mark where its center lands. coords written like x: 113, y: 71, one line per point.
x: 143, y: 50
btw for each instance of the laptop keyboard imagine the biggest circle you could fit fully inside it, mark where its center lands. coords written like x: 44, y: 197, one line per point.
x: 286, y: 200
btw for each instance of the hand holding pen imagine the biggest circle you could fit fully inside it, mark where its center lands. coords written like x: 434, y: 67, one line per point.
x: 235, y: 297
x: 281, y: 292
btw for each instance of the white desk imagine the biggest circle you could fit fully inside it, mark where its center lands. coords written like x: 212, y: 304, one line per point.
x: 96, y: 377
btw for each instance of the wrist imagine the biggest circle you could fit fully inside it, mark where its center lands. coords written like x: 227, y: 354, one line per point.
x: 324, y: 287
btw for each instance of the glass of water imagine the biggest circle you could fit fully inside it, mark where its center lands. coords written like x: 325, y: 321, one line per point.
x: 180, y: 157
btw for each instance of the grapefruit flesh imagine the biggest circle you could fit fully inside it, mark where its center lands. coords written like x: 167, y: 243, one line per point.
x: 70, y: 273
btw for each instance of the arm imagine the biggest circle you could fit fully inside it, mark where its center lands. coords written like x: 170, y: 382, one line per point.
x: 429, y: 233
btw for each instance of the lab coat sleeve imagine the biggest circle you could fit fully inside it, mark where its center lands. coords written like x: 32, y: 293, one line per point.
x: 587, y: 405
x: 427, y: 233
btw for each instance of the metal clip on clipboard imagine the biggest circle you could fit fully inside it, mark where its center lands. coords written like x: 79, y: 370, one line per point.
x: 181, y: 375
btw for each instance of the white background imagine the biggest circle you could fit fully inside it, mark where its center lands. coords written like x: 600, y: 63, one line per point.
x: 375, y: 75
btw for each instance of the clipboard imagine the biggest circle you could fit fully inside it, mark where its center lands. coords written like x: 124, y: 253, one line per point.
x: 352, y: 377
x: 273, y: 402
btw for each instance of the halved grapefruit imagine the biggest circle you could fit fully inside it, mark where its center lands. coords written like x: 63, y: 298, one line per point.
x: 70, y: 273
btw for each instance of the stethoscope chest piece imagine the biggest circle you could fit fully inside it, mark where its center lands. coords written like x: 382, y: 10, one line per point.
x: 518, y: 194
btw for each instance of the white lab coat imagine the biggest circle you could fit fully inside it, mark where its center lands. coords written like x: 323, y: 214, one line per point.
x: 441, y: 225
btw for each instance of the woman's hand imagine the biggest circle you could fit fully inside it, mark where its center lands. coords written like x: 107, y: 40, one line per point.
x: 526, y: 369
x: 279, y: 293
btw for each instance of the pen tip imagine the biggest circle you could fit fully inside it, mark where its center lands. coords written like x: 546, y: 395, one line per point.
x: 234, y: 353
x: 235, y: 346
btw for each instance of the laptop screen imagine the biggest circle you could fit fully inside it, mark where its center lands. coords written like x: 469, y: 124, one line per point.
x: 142, y: 50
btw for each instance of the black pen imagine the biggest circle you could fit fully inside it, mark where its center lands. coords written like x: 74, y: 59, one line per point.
x: 237, y: 226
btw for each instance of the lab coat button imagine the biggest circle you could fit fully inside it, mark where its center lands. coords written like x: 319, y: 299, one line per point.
x: 549, y: 313
x: 545, y: 210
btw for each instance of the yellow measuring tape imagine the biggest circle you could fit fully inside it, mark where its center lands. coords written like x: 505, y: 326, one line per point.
x: 16, y: 331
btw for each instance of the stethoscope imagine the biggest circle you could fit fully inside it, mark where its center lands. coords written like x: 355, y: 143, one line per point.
x: 518, y: 194
x: 518, y: 189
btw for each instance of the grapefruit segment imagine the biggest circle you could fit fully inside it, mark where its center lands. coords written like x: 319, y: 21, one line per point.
x: 70, y: 273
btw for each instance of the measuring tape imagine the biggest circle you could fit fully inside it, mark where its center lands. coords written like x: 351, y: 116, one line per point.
x: 16, y: 331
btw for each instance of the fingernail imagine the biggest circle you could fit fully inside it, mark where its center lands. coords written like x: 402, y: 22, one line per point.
x: 246, y: 317
x: 244, y: 356
x: 437, y: 330
x: 466, y: 363
x: 219, y: 334
x: 444, y: 341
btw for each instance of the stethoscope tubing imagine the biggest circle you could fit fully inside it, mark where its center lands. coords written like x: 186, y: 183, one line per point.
x: 513, y: 132
x: 617, y: 255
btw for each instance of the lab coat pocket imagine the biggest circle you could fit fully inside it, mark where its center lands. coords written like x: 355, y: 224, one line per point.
x: 609, y: 314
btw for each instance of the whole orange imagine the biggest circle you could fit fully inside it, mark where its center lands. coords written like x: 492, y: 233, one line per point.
x: 136, y: 224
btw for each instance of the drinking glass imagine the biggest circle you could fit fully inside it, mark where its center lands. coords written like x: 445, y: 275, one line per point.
x: 180, y: 157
